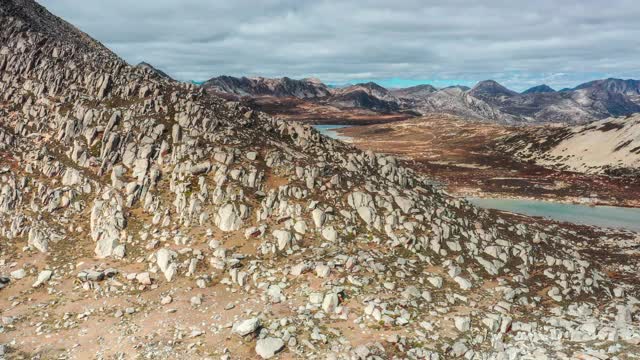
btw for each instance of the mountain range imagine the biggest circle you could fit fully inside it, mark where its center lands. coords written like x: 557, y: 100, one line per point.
x: 487, y: 100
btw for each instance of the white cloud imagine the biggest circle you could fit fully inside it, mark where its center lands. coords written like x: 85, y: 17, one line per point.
x: 517, y: 42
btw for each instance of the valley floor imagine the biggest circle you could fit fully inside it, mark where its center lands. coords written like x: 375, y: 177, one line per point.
x: 294, y: 109
x: 460, y: 155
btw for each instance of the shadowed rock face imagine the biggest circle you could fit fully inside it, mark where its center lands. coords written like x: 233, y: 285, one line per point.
x: 183, y: 194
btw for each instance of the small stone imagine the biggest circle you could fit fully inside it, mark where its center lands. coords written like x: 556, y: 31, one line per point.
x: 246, y: 327
x: 462, y: 323
x: 315, y: 298
x: 144, y: 278
x: 196, y: 300
x: 330, y: 302
x: 91, y: 275
x: 196, y: 333
x: 459, y: 349
x: 322, y: 271
x: 268, y: 347
x: 43, y: 277
x: 436, y: 281
x: 464, y: 283
x: 554, y: 293
x: 18, y: 274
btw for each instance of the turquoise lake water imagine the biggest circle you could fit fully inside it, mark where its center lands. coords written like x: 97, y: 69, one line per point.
x: 603, y: 216
x: 329, y: 130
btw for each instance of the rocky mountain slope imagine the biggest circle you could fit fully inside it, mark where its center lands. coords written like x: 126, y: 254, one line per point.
x: 141, y: 217
x: 488, y: 100
x: 610, y: 146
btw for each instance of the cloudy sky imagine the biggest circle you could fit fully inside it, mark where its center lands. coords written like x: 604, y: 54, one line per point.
x: 519, y: 43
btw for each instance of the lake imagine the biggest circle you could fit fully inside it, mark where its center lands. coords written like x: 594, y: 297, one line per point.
x: 603, y: 216
x: 329, y: 130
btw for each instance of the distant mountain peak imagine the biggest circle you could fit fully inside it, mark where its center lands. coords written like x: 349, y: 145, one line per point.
x: 422, y: 87
x: 372, y: 85
x: 539, y: 89
x: 491, y: 84
x: 313, y: 80
x: 491, y: 89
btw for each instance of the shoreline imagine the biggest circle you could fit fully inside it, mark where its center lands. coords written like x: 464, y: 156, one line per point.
x: 574, y: 201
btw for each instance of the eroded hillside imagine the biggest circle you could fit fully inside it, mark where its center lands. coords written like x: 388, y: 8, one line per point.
x: 610, y: 146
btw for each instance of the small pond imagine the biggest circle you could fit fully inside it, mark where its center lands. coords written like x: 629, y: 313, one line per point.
x: 329, y: 130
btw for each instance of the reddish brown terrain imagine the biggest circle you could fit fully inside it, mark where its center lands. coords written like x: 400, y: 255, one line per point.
x: 462, y: 156
x: 291, y: 108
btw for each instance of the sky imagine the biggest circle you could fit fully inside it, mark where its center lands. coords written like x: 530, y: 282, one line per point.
x: 519, y: 43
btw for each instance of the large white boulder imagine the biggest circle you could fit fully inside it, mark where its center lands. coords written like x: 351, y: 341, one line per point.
x: 107, y: 221
x: 268, y: 347
x: 227, y: 218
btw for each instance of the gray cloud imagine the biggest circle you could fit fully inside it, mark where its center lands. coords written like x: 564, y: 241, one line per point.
x: 520, y: 43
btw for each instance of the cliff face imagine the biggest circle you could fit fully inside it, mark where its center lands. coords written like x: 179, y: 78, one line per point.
x: 130, y: 203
